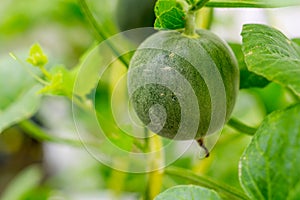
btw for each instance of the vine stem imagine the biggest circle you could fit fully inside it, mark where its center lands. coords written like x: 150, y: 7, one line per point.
x: 198, y: 5
x: 156, y: 163
x: 36, y: 77
x: 45, y: 72
x: 190, y: 22
x: 221, y: 188
x: 99, y: 32
x: 240, y: 126
x: 37, y: 133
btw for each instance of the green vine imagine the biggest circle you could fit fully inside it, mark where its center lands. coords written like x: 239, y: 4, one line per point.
x: 99, y: 32
x: 37, y: 133
x: 241, y: 127
x: 198, y: 5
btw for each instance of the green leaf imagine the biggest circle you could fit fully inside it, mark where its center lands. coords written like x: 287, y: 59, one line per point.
x: 25, y: 182
x: 275, y: 97
x: 252, y: 3
x: 270, y: 54
x: 297, y: 41
x: 247, y: 79
x: 19, y: 99
x: 188, y: 192
x: 62, y: 82
x: 270, y: 164
x: 97, y: 60
x: 36, y: 56
x: 170, y: 14
x: 88, y: 72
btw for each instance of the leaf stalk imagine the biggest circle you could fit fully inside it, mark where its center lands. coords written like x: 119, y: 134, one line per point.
x: 241, y: 127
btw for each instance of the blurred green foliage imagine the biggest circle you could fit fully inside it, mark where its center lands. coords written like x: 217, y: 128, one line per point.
x: 65, y: 35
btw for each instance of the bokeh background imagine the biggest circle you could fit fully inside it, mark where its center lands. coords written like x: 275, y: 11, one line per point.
x: 33, y: 169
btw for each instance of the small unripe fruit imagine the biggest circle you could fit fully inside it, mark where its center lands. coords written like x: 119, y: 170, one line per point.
x: 183, y: 87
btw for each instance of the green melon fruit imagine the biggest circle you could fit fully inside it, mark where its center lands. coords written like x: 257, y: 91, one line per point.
x: 183, y: 87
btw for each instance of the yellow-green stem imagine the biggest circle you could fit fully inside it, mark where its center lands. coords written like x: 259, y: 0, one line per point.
x: 156, y: 163
x: 190, y: 24
x: 204, y: 18
x: 45, y: 72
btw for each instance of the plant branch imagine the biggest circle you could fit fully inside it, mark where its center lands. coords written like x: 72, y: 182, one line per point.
x: 240, y: 126
x: 156, y: 163
x: 198, y: 5
x: 99, y: 33
x: 29, y: 71
x: 37, y: 133
x: 225, y: 190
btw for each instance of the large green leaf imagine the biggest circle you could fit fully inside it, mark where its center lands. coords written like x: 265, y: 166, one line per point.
x: 270, y: 164
x: 18, y: 93
x: 252, y: 3
x: 271, y: 54
x: 188, y: 192
x: 247, y: 79
x: 296, y: 40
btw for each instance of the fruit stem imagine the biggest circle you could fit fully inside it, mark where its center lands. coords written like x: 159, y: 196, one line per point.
x: 202, y: 145
x: 190, y: 24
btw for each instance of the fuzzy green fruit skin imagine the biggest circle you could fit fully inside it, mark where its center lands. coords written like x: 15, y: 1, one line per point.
x: 208, y: 50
